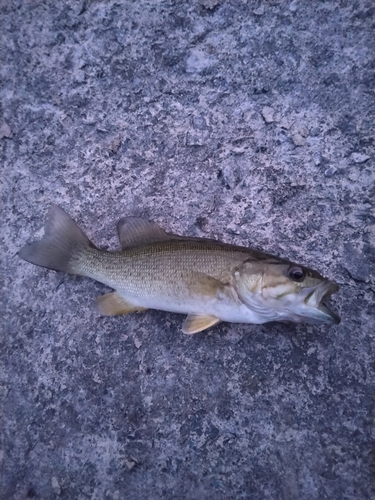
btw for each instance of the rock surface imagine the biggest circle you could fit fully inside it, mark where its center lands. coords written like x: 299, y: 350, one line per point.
x: 155, y: 109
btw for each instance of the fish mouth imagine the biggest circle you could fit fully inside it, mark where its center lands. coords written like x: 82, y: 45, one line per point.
x: 318, y: 298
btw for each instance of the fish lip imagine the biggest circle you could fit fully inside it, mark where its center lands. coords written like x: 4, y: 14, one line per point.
x: 317, y: 296
x: 331, y: 317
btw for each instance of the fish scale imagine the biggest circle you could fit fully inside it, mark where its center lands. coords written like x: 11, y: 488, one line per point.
x: 206, y: 279
x: 166, y: 267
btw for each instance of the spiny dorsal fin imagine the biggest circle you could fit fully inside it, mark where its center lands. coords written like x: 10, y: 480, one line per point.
x: 195, y: 323
x: 133, y: 231
x: 112, y: 304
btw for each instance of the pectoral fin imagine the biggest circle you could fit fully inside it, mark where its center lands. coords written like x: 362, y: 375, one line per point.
x: 195, y: 323
x: 205, y: 285
x: 112, y: 304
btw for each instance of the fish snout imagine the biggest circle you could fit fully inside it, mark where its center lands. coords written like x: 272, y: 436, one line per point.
x: 317, y: 299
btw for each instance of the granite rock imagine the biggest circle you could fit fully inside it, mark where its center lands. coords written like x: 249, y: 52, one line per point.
x: 154, y: 109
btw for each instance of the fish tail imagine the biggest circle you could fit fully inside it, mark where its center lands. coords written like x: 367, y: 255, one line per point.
x: 62, y: 244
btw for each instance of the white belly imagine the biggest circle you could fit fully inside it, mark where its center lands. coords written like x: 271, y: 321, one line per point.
x: 227, y: 307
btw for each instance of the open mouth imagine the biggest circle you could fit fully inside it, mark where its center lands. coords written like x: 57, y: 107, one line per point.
x: 319, y: 298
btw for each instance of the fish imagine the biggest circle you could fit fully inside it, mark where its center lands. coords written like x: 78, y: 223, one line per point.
x: 205, y: 279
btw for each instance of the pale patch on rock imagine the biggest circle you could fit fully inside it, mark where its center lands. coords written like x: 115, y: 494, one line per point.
x: 56, y: 486
x: 359, y: 157
x: 299, y: 134
x: 5, y: 131
x: 199, y: 61
x: 137, y: 343
x: 268, y: 114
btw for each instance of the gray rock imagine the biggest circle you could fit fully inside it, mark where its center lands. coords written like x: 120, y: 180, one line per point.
x: 198, y: 61
x: 210, y: 4
x: 359, y: 157
x: 5, y: 131
x: 268, y: 114
x: 79, y: 76
x: 330, y: 171
x: 231, y: 172
x: 293, y: 6
x: 153, y: 109
x: 299, y: 133
x: 298, y: 139
x: 56, y: 486
x: 259, y: 11
x: 285, y: 123
x: 358, y: 265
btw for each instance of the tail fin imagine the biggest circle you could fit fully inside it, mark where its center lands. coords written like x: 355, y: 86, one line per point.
x: 61, y: 244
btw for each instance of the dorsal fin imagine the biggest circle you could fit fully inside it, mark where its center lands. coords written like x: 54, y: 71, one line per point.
x: 133, y: 231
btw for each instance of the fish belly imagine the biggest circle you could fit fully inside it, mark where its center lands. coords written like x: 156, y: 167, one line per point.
x: 225, y: 308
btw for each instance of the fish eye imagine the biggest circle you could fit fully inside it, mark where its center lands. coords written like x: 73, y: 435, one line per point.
x: 296, y: 274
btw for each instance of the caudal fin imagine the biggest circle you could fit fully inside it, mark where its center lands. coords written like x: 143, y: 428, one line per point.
x: 60, y: 246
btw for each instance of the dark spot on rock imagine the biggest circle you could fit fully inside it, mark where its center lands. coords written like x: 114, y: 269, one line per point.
x: 201, y: 221
x: 332, y: 79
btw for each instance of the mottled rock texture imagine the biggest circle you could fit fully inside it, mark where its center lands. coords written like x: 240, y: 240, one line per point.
x: 251, y: 122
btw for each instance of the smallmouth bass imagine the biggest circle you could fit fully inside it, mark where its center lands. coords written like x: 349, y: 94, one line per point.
x: 208, y: 280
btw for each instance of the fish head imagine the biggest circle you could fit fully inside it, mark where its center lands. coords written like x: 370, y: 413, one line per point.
x: 285, y: 291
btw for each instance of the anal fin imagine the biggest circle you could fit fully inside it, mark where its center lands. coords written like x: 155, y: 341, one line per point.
x: 112, y: 304
x: 195, y: 323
